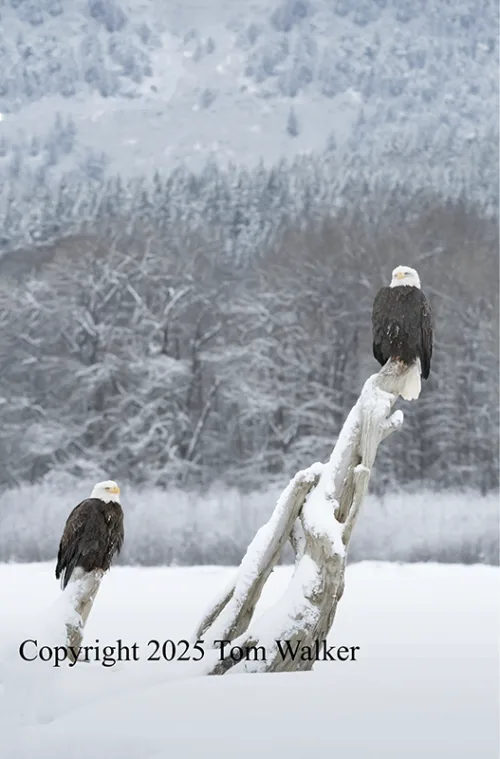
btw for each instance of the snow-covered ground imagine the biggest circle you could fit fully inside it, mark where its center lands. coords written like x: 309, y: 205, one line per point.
x: 425, y: 683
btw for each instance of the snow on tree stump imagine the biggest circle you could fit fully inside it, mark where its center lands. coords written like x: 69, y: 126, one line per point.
x: 316, y: 512
x: 81, y: 592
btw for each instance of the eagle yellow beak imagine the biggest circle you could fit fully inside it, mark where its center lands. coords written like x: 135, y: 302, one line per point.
x: 400, y: 275
x: 116, y: 490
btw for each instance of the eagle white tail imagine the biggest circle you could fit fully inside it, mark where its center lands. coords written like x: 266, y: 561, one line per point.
x: 403, y: 380
x: 411, y: 383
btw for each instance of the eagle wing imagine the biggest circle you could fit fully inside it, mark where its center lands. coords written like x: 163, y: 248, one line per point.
x: 379, y: 311
x: 74, y: 543
x: 420, y: 325
x: 427, y: 335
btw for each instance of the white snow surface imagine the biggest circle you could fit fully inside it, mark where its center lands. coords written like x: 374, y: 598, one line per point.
x: 425, y: 682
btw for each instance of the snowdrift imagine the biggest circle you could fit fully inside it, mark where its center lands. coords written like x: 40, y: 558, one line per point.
x: 425, y: 682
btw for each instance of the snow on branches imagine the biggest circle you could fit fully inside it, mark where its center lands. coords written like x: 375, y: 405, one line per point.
x: 79, y: 597
x: 316, y: 512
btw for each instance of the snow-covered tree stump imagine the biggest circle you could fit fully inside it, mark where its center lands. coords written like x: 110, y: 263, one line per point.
x: 316, y: 512
x: 81, y: 592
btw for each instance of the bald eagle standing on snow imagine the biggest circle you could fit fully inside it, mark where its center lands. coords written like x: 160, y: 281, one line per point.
x: 93, y: 533
x: 402, y: 328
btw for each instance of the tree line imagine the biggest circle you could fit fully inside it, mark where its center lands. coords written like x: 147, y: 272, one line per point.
x: 177, y: 349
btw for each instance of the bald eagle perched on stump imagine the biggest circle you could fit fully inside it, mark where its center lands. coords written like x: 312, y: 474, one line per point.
x: 402, y: 329
x: 93, y: 533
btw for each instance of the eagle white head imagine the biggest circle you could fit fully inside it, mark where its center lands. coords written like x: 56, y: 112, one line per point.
x: 404, y: 275
x: 106, y: 491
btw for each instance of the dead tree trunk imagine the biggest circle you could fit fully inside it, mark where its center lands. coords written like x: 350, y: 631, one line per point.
x: 316, y: 512
x: 81, y: 593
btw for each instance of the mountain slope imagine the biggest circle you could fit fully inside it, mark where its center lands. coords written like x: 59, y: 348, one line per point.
x: 140, y: 85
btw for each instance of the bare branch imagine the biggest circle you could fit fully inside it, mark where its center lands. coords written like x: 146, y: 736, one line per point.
x: 229, y: 617
x: 317, y: 513
x: 201, y: 421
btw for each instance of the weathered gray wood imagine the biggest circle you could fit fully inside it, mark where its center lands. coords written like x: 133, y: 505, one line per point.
x: 81, y: 596
x: 317, y: 514
x: 230, y: 615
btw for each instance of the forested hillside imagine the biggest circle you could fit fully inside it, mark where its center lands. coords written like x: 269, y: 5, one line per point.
x: 91, y: 90
x: 185, y: 296
x: 227, y: 338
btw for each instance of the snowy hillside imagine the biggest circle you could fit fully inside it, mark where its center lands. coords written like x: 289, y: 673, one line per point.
x: 128, y: 86
x: 425, y: 682
x: 178, y: 329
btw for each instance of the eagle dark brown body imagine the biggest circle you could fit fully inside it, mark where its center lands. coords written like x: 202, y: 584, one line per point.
x: 92, y: 536
x: 402, y: 327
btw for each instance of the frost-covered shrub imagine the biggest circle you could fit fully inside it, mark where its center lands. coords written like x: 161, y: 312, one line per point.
x: 329, y: 86
x: 216, y: 526
x: 343, y: 7
x: 406, y: 10
x: 467, y: 20
x: 198, y: 52
x: 95, y: 71
x: 15, y: 163
x: 331, y: 143
x: 366, y: 12
x: 396, y: 85
x: 144, y: 33
x: 292, y: 124
x: 54, y: 7
x: 296, y: 78
x: 64, y: 134
x: 67, y: 85
x: 265, y: 60
x: 291, y: 12
x: 94, y: 165
x: 34, y: 148
x: 133, y: 61
x: 107, y: 13
x: 249, y: 36
x: 416, y: 58
x: 207, y: 97
x: 31, y: 13
x: 190, y: 35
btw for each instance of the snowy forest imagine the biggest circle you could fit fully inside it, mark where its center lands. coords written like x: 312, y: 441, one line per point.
x: 229, y: 343
x: 166, y: 346
x: 206, y: 330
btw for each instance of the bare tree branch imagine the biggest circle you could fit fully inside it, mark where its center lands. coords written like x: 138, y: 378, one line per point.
x: 201, y: 421
x: 317, y: 513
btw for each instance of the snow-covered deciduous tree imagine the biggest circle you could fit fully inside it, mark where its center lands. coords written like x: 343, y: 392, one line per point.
x: 275, y: 263
x: 316, y: 512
